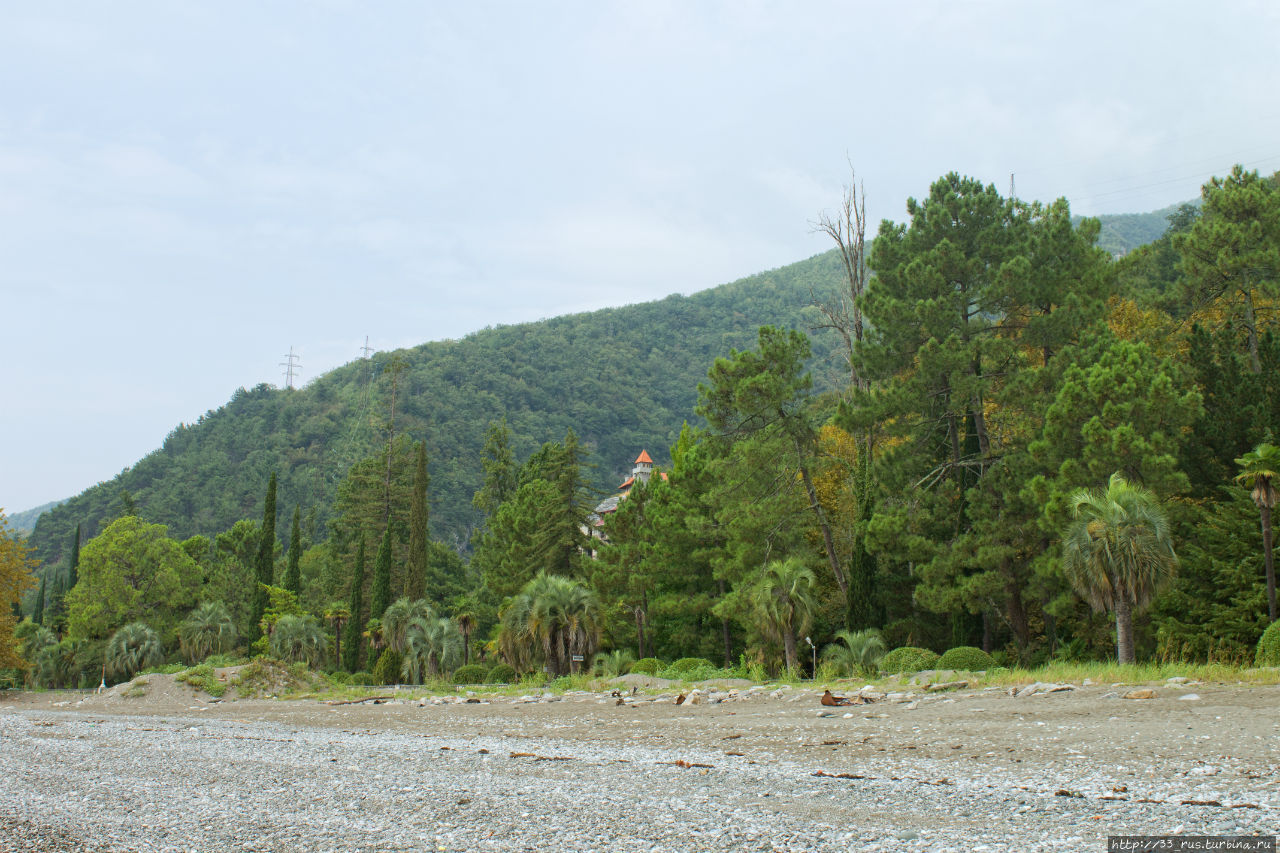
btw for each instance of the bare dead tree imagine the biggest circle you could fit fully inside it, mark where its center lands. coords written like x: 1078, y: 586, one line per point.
x: 843, y: 311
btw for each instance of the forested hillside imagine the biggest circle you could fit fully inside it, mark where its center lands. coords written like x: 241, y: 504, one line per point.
x: 622, y: 378
x: 1121, y: 233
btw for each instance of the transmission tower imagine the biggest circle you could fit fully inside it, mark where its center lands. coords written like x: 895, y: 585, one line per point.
x: 1013, y: 192
x: 292, y: 366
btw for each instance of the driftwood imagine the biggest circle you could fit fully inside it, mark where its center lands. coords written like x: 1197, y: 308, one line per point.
x: 945, y: 685
x: 358, y: 701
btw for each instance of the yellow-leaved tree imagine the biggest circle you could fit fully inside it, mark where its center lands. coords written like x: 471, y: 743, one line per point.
x: 15, y: 576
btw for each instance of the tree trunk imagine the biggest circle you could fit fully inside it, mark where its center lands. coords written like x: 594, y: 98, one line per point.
x: 1124, y: 629
x: 724, y: 631
x: 639, y: 613
x: 789, y: 649
x: 986, y: 631
x: 828, y: 541
x: 1017, y: 611
x: 337, y: 643
x: 1269, y: 561
x: 1255, y: 363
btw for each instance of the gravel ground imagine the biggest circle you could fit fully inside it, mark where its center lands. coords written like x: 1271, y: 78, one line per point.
x: 966, y: 771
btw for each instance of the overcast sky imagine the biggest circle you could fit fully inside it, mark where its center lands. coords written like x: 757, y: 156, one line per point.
x: 188, y: 190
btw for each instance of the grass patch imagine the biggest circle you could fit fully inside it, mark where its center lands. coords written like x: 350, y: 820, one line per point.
x: 202, y: 677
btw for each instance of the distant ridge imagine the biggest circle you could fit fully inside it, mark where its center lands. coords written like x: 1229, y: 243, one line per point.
x: 622, y: 378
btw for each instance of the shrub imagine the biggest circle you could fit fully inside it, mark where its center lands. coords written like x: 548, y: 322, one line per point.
x: 687, y: 664
x: 362, y: 679
x: 647, y: 666
x: 503, y: 673
x: 967, y: 658
x: 338, y: 677
x: 908, y: 659
x: 387, y: 669
x: 1268, y: 653
x: 472, y: 673
x: 264, y: 676
x: 202, y: 677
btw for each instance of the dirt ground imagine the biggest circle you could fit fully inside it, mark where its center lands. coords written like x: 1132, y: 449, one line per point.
x: 1089, y: 733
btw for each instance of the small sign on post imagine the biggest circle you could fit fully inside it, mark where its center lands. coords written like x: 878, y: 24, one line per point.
x: 577, y: 658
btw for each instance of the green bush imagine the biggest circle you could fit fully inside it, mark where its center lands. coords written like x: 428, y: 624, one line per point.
x: 1269, y: 647
x: 472, y: 673
x: 687, y: 664
x: 967, y: 658
x: 387, y: 669
x: 338, y: 677
x: 202, y: 677
x: 908, y: 659
x: 647, y: 666
x: 362, y: 679
x: 503, y: 673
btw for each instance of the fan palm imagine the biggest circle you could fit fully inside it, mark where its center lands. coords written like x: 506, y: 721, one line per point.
x: 1259, y: 471
x: 132, y: 649
x: 1117, y: 552
x: 564, y: 619
x: 432, y: 645
x: 339, y: 614
x: 856, y: 652
x: 298, y: 638
x: 784, y: 598
x: 208, y: 630
x: 396, y: 619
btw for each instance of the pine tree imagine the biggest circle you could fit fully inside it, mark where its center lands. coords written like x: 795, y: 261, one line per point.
x: 381, y: 577
x: 264, y: 565
x: 37, y: 612
x: 415, y: 579
x: 73, y: 573
x: 351, y: 652
x: 293, y: 574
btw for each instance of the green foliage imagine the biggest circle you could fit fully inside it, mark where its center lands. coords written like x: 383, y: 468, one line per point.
x: 363, y: 679
x: 298, y: 639
x: 684, y: 665
x: 293, y: 574
x: 264, y: 562
x: 129, y: 572
x: 966, y: 658
x: 856, y: 653
x: 355, y: 615
x: 206, y: 631
x: 472, y: 673
x: 552, y: 620
x: 387, y: 669
x: 1268, y: 653
x: 132, y: 649
x: 503, y: 673
x: 647, y: 666
x: 416, y: 581
x: 266, y: 677
x: 432, y: 646
x: 203, y: 677
x: 381, y: 578
x: 908, y: 659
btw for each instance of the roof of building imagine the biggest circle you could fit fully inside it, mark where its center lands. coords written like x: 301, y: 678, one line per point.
x: 644, y: 457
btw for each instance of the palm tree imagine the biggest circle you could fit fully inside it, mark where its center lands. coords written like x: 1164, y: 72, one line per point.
x: 466, y: 624
x: 553, y: 618
x: 207, y: 630
x: 1117, y: 552
x: 432, y: 646
x: 396, y: 619
x: 857, y: 652
x: 1259, y: 470
x: 132, y: 649
x: 337, y: 613
x: 784, y: 597
x: 298, y: 638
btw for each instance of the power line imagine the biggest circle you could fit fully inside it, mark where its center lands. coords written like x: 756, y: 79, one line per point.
x: 292, y: 365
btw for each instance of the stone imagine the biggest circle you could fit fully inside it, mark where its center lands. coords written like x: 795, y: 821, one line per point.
x: 1189, y: 697
x: 1141, y: 693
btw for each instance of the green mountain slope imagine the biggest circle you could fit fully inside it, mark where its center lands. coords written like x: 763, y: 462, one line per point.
x: 622, y: 378
x: 25, y: 521
x: 1123, y: 232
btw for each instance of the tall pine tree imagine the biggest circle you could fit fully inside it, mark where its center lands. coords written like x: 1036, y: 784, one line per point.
x: 73, y: 573
x: 381, y: 578
x: 293, y: 574
x: 351, y: 651
x: 415, y: 579
x: 264, y: 565
x: 37, y: 612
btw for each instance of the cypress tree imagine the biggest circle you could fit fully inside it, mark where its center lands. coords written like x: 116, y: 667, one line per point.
x: 73, y: 574
x: 415, y: 579
x: 382, y: 577
x: 351, y: 649
x: 56, y: 616
x: 264, y: 565
x: 37, y: 612
x: 293, y: 575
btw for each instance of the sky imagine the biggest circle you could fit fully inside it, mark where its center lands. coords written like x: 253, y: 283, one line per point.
x: 188, y: 191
